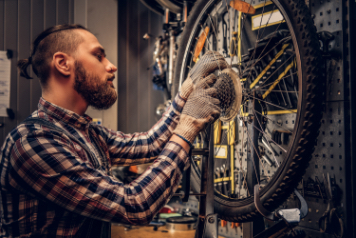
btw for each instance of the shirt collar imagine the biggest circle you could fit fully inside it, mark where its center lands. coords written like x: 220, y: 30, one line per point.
x: 64, y: 115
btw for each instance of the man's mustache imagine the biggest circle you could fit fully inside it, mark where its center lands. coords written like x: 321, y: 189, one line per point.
x: 111, y: 78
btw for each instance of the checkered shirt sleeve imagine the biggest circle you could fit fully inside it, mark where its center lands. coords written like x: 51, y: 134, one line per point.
x: 139, y: 148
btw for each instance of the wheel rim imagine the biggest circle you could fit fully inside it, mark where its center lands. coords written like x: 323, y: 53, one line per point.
x: 206, y: 15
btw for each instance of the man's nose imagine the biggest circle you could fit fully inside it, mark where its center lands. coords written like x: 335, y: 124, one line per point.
x: 111, y: 68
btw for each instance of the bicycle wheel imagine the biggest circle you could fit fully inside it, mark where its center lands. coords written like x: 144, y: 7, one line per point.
x: 273, y: 47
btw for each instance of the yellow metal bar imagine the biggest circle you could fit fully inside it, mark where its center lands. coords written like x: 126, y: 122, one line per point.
x: 269, y: 65
x: 231, y: 140
x: 219, y: 180
x: 262, y: 4
x: 270, y: 24
x: 278, y: 112
x: 231, y: 133
x: 232, y: 166
x: 217, y: 132
x: 278, y: 80
x: 265, y: 25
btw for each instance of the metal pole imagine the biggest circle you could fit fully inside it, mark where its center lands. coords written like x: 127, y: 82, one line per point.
x: 208, y: 223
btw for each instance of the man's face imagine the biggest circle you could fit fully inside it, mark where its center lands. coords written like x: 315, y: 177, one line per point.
x: 96, y: 92
x: 94, y: 73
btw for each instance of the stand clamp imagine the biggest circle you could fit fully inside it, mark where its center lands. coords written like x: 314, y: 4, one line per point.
x: 288, y: 218
x: 210, y: 226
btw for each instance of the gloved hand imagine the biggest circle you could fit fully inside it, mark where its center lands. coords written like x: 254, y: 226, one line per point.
x: 209, y: 62
x: 200, y: 109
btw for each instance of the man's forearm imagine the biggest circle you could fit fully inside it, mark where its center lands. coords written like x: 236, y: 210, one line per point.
x: 181, y: 142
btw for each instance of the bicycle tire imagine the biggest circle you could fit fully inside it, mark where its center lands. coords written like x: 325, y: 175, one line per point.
x: 153, y: 6
x: 308, y: 115
x: 173, y: 7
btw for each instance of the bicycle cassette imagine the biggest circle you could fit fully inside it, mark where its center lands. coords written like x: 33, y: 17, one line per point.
x: 229, y: 90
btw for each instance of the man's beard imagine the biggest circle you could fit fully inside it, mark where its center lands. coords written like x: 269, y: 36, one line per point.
x: 96, y: 93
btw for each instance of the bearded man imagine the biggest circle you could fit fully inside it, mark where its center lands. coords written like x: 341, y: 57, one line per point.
x: 55, y: 167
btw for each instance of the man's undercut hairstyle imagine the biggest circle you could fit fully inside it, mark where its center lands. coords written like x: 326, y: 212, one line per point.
x: 60, y: 38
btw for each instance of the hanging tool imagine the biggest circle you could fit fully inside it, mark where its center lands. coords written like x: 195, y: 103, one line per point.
x: 242, y: 6
x: 200, y: 45
x: 330, y: 221
x: 219, y: 180
x: 221, y: 18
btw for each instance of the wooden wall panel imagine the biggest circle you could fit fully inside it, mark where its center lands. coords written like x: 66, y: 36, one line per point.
x: 2, y: 17
x: 11, y: 42
x: 50, y: 13
x: 144, y: 75
x: 2, y: 47
x: 122, y: 66
x: 156, y: 24
x: 20, y: 23
x: 133, y: 60
x: 63, y: 11
x: 24, y: 49
x: 39, y: 19
x: 71, y: 12
x: 137, y: 98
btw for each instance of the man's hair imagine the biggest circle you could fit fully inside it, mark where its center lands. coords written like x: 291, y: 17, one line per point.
x: 60, y: 38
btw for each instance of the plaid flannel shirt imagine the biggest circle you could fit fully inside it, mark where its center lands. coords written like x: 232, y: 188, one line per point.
x: 51, y: 188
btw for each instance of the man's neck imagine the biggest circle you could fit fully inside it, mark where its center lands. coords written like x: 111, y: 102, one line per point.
x: 69, y: 100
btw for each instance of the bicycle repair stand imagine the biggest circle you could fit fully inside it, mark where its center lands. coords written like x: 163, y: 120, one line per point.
x: 208, y: 220
x: 207, y: 226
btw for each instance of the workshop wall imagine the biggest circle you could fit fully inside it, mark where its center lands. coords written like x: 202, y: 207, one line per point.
x: 20, y: 22
x: 137, y: 98
x: 119, y: 26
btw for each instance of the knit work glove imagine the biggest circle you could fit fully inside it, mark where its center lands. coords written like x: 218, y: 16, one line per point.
x: 209, y: 62
x: 200, y: 109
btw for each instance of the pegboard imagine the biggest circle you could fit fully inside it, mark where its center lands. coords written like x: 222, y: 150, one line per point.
x: 328, y: 158
x: 330, y: 155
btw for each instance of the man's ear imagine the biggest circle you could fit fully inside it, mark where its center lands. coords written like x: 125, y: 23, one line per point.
x: 63, y: 63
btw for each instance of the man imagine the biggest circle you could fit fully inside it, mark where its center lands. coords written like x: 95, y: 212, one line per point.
x: 55, y: 167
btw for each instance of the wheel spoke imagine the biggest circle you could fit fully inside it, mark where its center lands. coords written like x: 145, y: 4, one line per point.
x: 279, y: 78
x: 261, y: 87
x: 269, y: 139
x: 272, y: 104
x: 258, y: 33
x: 272, y: 48
x: 239, y: 38
x: 258, y: 155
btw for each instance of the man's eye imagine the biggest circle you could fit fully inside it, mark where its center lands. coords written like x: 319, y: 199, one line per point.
x: 99, y: 56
